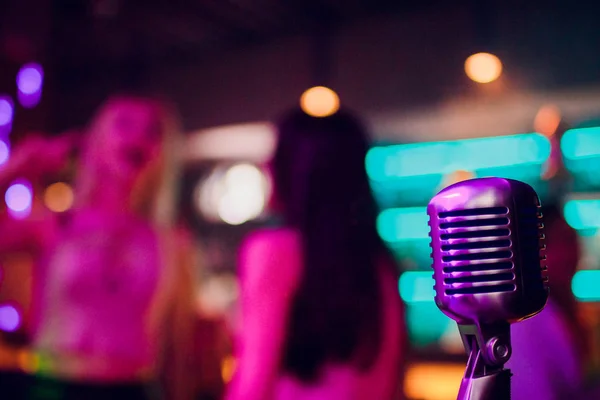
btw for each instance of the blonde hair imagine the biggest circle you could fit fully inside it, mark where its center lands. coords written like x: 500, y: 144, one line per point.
x: 154, y: 193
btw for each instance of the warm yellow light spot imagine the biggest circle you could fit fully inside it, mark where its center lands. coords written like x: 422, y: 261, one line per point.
x: 228, y: 368
x: 446, y: 379
x: 483, y: 67
x: 547, y: 120
x: 320, y: 101
x: 29, y: 362
x: 58, y: 197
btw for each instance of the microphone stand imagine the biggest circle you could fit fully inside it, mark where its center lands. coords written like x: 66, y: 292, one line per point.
x: 489, y: 349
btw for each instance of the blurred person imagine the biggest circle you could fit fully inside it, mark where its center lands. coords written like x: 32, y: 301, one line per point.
x: 549, y: 350
x: 113, y: 306
x: 321, y: 316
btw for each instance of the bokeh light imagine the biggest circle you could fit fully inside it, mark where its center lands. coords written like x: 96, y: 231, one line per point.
x: 30, y: 78
x: 233, y: 195
x: 18, y: 198
x: 585, y: 285
x: 228, y: 366
x: 10, y: 319
x: 4, y: 152
x: 58, y: 197
x: 6, y: 110
x: 447, y: 378
x: 403, y: 223
x: 483, y: 67
x: 28, y: 361
x: 245, y: 198
x: 419, y: 159
x: 320, y: 101
x: 547, y: 120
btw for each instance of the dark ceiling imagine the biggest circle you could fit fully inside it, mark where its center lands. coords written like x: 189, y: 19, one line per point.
x: 85, y: 33
x: 98, y: 46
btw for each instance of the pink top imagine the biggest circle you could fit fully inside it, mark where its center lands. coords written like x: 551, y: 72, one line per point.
x: 544, y: 359
x: 94, y: 294
x: 270, y: 268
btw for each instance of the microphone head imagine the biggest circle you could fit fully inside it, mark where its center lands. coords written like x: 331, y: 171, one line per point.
x: 488, y: 253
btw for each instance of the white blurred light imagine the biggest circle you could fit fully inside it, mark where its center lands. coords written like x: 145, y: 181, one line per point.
x: 30, y: 78
x: 18, y: 198
x: 234, y: 196
x: 208, y: 193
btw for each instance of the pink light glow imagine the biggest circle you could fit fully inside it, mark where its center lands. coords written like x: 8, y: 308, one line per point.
x: 6, y: 110
x: 10, y: 319
x: 18, y: 198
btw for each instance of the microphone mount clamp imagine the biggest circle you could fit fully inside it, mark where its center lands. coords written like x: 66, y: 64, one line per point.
x: 489, y: 348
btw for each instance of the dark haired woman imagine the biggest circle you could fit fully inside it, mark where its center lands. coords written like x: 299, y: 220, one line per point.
x: 321, y: 313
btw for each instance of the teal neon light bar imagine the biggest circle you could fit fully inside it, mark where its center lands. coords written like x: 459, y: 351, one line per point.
x: 416, y: 287
x: 433, y: 158
x: 581, y: 143
x: 582, y: 214
x: 397, y: 224
x: 586, y: 285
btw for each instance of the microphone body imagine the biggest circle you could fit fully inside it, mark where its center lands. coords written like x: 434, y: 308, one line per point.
x: 490, y: 271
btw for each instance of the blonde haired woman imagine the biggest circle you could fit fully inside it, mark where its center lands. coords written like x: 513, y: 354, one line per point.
x: 113, y: 295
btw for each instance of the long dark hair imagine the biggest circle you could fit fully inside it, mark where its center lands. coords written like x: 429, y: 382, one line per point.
x: 321, y: 182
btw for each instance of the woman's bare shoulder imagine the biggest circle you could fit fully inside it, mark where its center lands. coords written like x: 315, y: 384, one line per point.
x: 274, y: 254
x: 272, y: 241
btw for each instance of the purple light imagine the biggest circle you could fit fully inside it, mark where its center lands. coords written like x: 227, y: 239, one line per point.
x: 30, y: 78
x: 4, y: 152
x: 6, y: 110
x: 29, y: 100
x: 18, y: 198
x: 29, y: 82
x: 10, y: 319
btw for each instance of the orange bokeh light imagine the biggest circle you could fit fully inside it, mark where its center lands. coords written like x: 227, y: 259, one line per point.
x: 547, y: 120
x: 58, y: 197
x: 320, y: 101
x: 483, y: 67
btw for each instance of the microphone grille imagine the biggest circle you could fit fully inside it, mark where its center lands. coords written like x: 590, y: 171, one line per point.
x: 532, y: 245
x: 488, y: 251
x: 476, y: 251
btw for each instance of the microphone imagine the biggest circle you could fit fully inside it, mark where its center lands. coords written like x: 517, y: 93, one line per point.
x: 489, y: 267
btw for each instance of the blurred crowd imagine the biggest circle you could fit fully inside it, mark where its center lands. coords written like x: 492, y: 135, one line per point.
x: 111, y: 308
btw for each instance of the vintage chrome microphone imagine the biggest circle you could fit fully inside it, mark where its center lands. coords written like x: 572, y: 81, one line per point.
x: 490, y: 271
